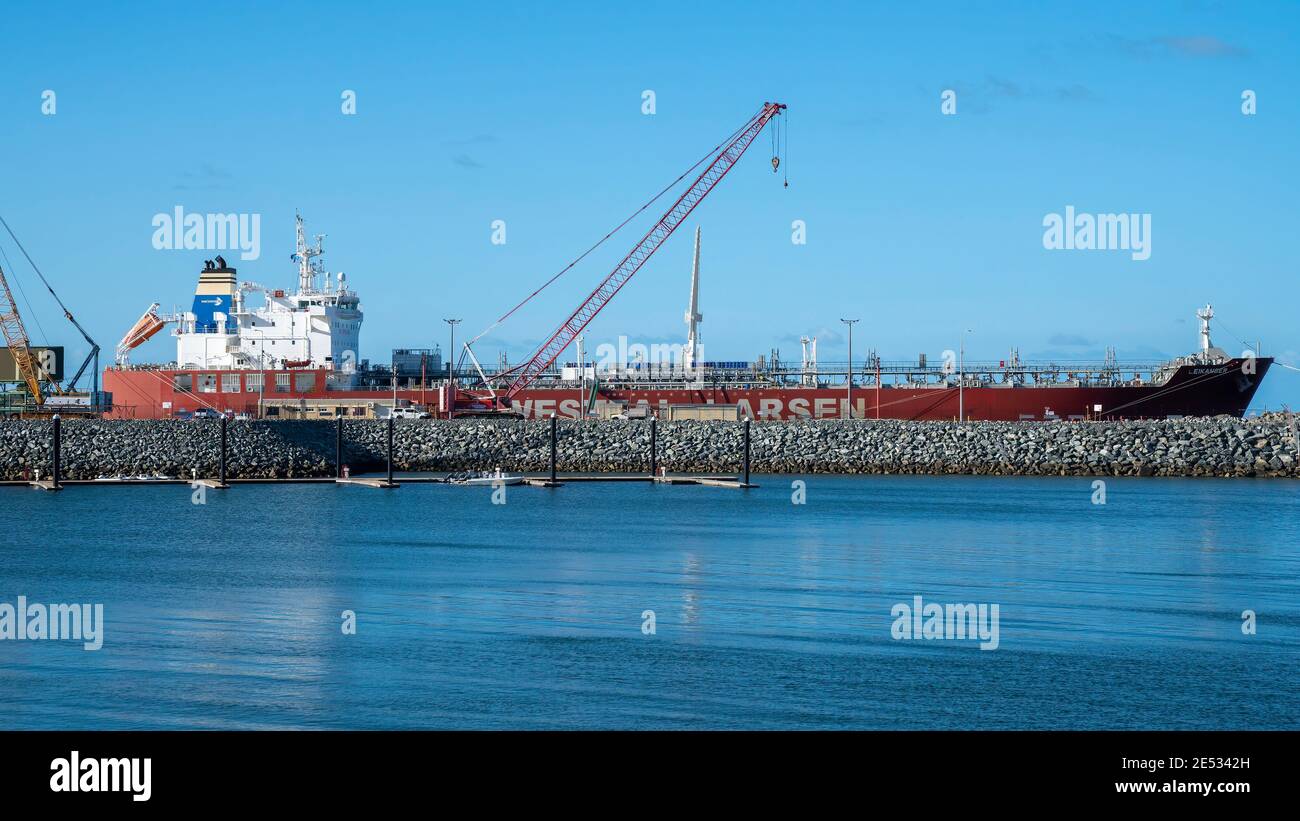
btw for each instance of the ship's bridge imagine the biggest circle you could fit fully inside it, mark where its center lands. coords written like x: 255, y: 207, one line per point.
x: 316, y: 326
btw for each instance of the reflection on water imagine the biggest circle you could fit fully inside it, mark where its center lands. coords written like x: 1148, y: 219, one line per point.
x: 768, y: 614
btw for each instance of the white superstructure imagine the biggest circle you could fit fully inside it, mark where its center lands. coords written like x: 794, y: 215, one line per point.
x: 316, y: 326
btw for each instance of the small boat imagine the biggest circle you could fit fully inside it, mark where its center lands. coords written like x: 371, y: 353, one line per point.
x: 494, y: 478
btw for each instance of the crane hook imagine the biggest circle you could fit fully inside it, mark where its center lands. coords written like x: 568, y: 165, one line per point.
x: 776, y: 163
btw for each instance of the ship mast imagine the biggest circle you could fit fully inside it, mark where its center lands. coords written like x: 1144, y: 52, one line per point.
x: 307, y: 269
x: 1205, y: 315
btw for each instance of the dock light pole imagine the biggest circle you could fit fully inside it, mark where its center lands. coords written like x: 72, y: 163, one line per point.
x: 451, y: 369
x: 58, y: 442
x: 848, y: 406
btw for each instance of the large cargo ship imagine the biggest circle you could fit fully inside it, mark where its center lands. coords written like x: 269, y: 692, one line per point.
x: 296, y: 355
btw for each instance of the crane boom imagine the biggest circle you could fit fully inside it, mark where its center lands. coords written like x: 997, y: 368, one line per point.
x: 94, y: 347
x: 11, y: 324
x: 655, y: 237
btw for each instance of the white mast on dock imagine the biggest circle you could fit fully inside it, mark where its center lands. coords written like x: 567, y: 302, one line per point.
x: 693, y: 315
x: 808, y: 372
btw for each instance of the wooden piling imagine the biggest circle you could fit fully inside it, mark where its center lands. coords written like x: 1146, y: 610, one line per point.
x: 338, y: 448
x: 554, y: 423
x: 221, y: 467
x: 58, y: 448
x: 390, y: 450
x: 746, y: 479
x: 654, y: 446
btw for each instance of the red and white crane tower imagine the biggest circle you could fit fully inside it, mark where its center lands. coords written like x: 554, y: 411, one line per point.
x: 521, y: 376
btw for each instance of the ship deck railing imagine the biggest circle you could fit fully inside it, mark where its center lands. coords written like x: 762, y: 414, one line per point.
x: 893, y: 374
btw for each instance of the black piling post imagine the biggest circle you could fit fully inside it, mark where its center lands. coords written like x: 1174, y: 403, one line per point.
x: 746, y: 451
x: 390, y: 450
x: 554, y: 423
x: 58, y: 447
x: 654, y: 446
x: 338, y: 449
x: 221, y: 469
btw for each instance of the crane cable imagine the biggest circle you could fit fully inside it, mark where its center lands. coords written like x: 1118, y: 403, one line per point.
x: 785, y: 153
x: 32, y: 263
x: 1247, y: 346
x: 618, y: 228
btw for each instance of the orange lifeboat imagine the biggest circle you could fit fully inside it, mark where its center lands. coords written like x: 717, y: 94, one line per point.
x: 143, y: 329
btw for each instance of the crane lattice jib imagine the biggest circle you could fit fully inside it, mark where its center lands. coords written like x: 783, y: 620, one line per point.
x: 11, y: 324
x: 675, y: 216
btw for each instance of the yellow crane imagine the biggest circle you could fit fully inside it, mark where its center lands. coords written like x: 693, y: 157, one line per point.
x: 11, y: 324
x: 28, y: 367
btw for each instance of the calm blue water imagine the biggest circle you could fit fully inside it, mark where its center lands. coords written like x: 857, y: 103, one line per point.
x: 768, y: 614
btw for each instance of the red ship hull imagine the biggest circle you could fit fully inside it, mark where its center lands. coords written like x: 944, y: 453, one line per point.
x: 1193, y: 390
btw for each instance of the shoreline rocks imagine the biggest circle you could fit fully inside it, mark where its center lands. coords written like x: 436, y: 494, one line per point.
x: 1216, y: 446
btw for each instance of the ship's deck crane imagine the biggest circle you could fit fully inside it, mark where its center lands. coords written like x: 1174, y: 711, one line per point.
x: 523, y: 375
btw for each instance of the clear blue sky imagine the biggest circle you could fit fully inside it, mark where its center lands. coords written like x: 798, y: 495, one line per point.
x: 919, y: 223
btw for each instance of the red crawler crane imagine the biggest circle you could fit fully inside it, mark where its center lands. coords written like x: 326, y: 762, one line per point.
x: 523, y: 375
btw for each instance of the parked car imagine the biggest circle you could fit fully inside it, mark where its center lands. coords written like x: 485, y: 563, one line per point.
x: 242, y: 417
x: 205, y: 413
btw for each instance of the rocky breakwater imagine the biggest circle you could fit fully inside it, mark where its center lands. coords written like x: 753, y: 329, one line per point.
x: 1219, y: 446
x: 95, y: 448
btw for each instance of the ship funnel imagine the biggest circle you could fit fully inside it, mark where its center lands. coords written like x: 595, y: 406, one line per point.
x: 214, y: 294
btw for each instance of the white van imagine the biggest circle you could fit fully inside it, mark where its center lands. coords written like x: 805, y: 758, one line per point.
x: 408, y: 413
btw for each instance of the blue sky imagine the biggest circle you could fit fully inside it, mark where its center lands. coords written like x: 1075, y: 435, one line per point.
x: 920, y: 224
